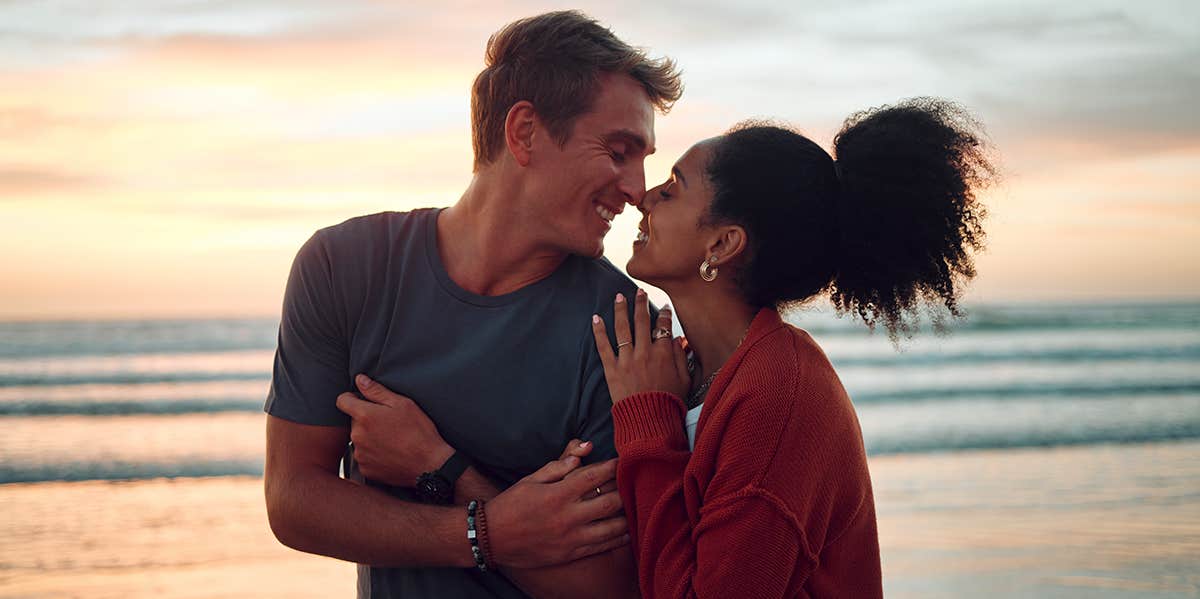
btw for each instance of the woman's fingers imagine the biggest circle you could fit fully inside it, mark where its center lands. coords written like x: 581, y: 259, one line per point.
x: 641, y: 321
x: 621, y: 323
x: 680, y: 359
x: 554, y: 471
x: 669, y: 344
x: 603, y: 346
x: 663, y: 323
x: 577, y: 448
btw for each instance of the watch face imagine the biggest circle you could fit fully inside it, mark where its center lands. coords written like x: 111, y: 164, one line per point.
x: 433, y: 488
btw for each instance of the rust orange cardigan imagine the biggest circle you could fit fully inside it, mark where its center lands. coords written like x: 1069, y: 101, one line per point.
x: 775, y: 500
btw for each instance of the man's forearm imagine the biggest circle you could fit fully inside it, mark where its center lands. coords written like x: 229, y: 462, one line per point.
x: 610, y: 574
x: 474, y: 485
x: 318, y: 512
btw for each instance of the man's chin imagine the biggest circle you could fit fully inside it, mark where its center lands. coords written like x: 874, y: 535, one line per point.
x: 596, y: 251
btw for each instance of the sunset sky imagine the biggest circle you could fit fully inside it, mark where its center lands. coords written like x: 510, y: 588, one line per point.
x: 167, y: 158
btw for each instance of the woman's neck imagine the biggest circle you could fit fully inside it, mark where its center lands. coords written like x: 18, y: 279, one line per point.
x: 715, y: 321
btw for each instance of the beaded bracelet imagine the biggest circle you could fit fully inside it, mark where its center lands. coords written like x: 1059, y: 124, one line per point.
x: 485, y: 544
x: 472, y: 537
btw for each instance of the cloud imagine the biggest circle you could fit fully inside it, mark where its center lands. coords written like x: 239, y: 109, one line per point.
x: 23, y: 180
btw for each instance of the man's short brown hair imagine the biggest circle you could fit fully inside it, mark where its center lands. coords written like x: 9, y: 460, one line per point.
x: 554, y: 61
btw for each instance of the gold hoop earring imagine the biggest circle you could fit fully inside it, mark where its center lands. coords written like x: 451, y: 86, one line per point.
x: 708, y: 272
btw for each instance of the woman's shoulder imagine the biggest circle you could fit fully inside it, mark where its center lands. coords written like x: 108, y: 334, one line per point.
x: 788, y: 354
x: 787, y: 375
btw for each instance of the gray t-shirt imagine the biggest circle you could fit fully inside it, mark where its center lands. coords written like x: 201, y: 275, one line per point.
x: 508, y: 380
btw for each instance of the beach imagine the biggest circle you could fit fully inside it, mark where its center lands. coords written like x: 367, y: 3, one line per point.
x: 1036, y: 451
x: 1094, y: 521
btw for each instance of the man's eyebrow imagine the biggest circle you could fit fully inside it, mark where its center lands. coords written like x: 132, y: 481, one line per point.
x: 679, y: 175
x: 628, y: 136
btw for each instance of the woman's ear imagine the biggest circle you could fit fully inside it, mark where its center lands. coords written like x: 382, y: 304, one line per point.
x: 728, y: 243
x: 519, y: 127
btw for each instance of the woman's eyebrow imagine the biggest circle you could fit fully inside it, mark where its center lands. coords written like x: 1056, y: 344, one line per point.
x: 679, y: 175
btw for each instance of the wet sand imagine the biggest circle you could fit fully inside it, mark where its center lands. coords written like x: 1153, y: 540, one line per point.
x: 1095, y: 521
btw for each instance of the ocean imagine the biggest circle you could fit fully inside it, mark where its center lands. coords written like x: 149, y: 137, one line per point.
x: 1034, y: 451
x: 116, y: 400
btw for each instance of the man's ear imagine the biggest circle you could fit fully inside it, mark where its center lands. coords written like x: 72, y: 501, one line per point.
x: 519, y: 127
x: 728, y: 243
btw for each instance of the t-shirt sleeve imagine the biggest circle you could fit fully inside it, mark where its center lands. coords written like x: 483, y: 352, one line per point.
x: 312, y: 359
x: 595, y: 410
x: 596, y: 404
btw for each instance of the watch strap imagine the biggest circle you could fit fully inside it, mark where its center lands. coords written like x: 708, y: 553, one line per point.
x: 454, y: 467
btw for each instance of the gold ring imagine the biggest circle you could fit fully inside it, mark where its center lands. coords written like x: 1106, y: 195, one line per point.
x: 620, y: 345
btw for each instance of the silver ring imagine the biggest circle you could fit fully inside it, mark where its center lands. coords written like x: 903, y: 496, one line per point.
x: 599, y: 492
x: 661, y: 334
x: 620, y: 345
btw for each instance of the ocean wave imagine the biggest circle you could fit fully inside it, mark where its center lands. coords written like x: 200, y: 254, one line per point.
x: 1099, y: 389
x: 254, y: 404
x: 80, y: 471
x: 115, y: 471
x: 957, y: 424
x: 95, y: 338
x: 966, y: 443
x: 126, y: 378
x: 122, y: 408
x: 984, y: 356
x: 121, y: 337
x: 1021, y: 317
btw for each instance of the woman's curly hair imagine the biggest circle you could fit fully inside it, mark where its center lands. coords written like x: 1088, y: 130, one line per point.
x: 888, y: 226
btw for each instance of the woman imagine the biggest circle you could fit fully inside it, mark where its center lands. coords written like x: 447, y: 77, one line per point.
x: 769, y: 494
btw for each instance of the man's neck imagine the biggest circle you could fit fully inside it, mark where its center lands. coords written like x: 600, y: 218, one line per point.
x: 485, y: 247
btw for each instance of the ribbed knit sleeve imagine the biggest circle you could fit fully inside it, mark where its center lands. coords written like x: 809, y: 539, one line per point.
x: 747, y: 542
x: 653, y: 416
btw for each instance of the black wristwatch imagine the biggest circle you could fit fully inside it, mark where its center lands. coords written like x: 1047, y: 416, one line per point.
x: 438, y: 486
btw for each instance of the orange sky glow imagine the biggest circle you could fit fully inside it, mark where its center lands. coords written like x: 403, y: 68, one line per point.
x: 170, y: 164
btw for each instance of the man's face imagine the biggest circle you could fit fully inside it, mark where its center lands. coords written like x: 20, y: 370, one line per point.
x: 582, y: 185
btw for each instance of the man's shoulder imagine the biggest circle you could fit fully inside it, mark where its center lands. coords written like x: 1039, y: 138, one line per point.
x: 598, y: 275
x: 362, y: 230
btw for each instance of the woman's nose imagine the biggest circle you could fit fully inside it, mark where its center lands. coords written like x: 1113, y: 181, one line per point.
x: 647, y: 201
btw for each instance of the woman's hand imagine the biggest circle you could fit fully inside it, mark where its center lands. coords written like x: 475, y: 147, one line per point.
x: 394, y: 440
x: 643, y: 360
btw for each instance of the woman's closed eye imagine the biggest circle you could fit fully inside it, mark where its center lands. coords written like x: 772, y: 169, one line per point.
x: 665, y: 192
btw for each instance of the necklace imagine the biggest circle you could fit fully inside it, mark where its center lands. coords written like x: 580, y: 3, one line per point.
x: 696, y: 397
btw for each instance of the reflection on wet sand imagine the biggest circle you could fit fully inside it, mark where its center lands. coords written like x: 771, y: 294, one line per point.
x: 1095, y: 521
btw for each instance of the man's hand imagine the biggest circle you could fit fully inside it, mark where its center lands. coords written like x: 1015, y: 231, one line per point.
x: 394, y: 441
x: 558, y: 514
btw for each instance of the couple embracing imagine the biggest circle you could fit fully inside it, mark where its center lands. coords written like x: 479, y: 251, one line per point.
x: 473, y: 402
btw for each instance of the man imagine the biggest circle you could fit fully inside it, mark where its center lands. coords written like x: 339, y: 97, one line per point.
x: 481, y: 313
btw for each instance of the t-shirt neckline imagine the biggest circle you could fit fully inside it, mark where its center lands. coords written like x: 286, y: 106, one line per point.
x: 434, y: 259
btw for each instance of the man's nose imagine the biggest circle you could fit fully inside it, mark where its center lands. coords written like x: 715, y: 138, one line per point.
x: 633, y: 186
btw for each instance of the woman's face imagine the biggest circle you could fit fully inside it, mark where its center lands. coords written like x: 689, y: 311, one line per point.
x: 672, y: 243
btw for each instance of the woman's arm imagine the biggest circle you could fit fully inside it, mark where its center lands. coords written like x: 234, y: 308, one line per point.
x: 746, y: 543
